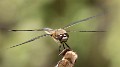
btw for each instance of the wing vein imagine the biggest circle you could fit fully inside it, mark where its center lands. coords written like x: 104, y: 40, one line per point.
x: 74, y: 23
x: 30, y: 40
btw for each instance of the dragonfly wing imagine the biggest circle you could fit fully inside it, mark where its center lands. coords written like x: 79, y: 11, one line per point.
x: 43, y: 29
x: 86, y: 31
x: 74, y: 23
x: 30, y: 40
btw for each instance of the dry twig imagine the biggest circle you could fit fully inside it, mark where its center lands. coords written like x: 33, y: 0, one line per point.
x: 68, y: 60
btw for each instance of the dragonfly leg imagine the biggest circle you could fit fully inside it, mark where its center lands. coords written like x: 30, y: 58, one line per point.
x: 63, y: 45
x: 67, y: 45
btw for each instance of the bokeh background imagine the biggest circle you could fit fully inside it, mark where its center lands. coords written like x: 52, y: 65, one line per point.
x: 93, y: 49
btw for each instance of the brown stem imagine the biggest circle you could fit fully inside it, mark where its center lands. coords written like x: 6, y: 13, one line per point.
x: 68, y: 60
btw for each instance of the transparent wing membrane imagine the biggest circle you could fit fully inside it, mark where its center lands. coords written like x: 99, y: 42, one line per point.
x: 74, y: 23
x: 22, y: 30
x: 30, y: 40
x: 85, y: 31
x: 25, y: 30
x: 43, y: 29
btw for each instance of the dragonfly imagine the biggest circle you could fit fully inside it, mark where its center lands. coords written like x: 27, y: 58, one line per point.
x: 60, y: 35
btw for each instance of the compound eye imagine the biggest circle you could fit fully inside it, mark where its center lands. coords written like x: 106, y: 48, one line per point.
x: 61, y: 35
x: 64, y: 35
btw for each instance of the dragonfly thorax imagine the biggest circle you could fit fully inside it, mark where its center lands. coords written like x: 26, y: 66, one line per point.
x: 60, y: 35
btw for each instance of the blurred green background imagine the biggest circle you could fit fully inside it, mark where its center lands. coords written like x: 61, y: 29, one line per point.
x: 94, y: 49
